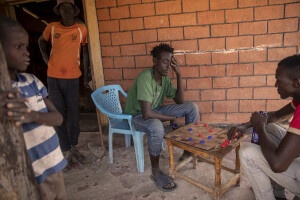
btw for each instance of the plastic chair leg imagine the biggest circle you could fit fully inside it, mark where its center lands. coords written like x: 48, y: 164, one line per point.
x: 127, y: 140
x: 139, y: 152
x: 110, y: 146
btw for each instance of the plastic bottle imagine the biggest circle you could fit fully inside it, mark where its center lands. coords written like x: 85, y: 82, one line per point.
x: 254, y: 138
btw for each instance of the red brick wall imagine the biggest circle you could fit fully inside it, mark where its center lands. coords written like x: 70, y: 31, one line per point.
x: 228, y: 49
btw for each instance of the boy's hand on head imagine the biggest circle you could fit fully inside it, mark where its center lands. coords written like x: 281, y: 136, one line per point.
x: 175, y: 66
x: 12, y: 107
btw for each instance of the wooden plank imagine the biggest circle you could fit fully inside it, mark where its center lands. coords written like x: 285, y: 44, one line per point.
x: 17, y: 2
x: 91, y: 20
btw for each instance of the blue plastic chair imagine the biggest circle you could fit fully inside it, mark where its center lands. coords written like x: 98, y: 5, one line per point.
x: 107, y: 101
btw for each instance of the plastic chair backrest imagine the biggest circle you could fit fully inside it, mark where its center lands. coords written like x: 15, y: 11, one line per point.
x: 107, y: 99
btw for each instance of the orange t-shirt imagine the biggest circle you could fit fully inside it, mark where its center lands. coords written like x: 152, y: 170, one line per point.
x: 66, y: 43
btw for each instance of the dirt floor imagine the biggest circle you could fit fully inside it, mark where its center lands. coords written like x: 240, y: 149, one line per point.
x: 120, y: 180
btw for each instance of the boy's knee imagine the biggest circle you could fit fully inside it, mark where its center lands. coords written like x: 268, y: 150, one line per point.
x: 249, y: 150
x: 192, y: 106
x: 271, y: 127
x: 156, y: 126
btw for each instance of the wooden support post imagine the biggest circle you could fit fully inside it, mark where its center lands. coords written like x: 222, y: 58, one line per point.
x: 237, y: 163
x: 17, y: 180
x: 90, y: 14
x: 218, y: 178
x: 171, y: 160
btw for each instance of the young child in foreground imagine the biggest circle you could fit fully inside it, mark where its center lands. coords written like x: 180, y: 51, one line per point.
x: 27, y: 104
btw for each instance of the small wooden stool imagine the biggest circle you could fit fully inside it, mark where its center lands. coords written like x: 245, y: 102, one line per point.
x: 216, y: 155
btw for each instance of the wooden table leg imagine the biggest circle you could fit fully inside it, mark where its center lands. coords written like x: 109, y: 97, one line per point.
x: 237, y: 164
x: 218, y: 178
x: 195, y: 161
x: 171, y: 160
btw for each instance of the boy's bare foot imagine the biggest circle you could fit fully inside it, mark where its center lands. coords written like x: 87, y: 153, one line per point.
x: 79, y: 157
x: 70, y: 160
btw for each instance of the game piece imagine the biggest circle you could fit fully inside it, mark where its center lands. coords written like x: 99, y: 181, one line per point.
x: 191, y: 139
x: 205, y: 125
x: 196, y: 123
x: 210, y: 137
x: 190, y: 129
x: 224, y: 144
x: 174, y: 125
x: 211, y: 130
x: 200, y: 135
x: 202, y: 141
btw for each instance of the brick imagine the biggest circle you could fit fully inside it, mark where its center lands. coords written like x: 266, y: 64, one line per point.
x: 105, y: 3
x: 183, y: 19
x: 283, y: 25
x: 143, y: 61
x: 239, y: 93
x: 252, y: 81
x: 142, y: 10
x: 192, y: 5
x: 131, y: 73
x: 170, y: 34
x: 126, y: 2
x: 224, y: 57
x: 213, y: 118
x: 189, y: 72
x: 270, y: 40
x: 191, y: 95
x: 107, y: 63
x: 252, y: 3
x: 222, y: 4
x: 292, y: 10
x: 105, y: 39
x: 212, y: 71
x: 239, y: 42
x: 211, y: 44
x: 205, y: 106
x: 239, y: 15
x: 131, y: 24
x: 103, y: 14
x: 198, y: 59
x: 266, y: 93
x: 121, y: 38
x: 196, y: 32
x: 144, y: 36
x: 110, y: 51
x: 124, y: 62
x: 225, y: 82
x: 226, y: 106
x: 137, y: 49
x: 281, y: 1
x: 253, y: 28
x: 156, y: 22
x: 201, y: 83
x: 239, y: 69
x: 252, y: 105
x: 185, y: 45
x: 211, y: 17
x: 274, y: 105
x: 265, y: 68
x: 268, y: 12
x: 292, y: 39
x: 147, y: 1
x: 255, y: 55
x: 112, y: 74
x: 108, y: 26
x: 224, y: 30
x: 168, y: 7
x: 238, y: 117
x: 212, y: 95
x: 271, y: 80
x: 277, y: 54
x: 119, y: 12
x: 149, y: 46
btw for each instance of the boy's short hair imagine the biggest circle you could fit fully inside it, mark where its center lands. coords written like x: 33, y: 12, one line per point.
x: 292, y: 64
x: 160, y: 48
x: 5, y: 24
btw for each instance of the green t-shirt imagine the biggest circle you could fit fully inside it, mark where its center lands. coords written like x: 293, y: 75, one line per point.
x: 145, y: 88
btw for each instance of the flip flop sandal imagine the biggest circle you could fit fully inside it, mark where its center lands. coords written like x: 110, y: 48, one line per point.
x: 163, y: 180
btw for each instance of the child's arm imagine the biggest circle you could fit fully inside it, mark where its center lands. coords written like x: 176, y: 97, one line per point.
x: 12, y: 107
x: 50, y: 118
x: 43, y: 49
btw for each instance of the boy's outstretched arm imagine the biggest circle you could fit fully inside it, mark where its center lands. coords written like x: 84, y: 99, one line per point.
x: 50, y: 118
x: 43, y: 49
x: 86, y: 72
